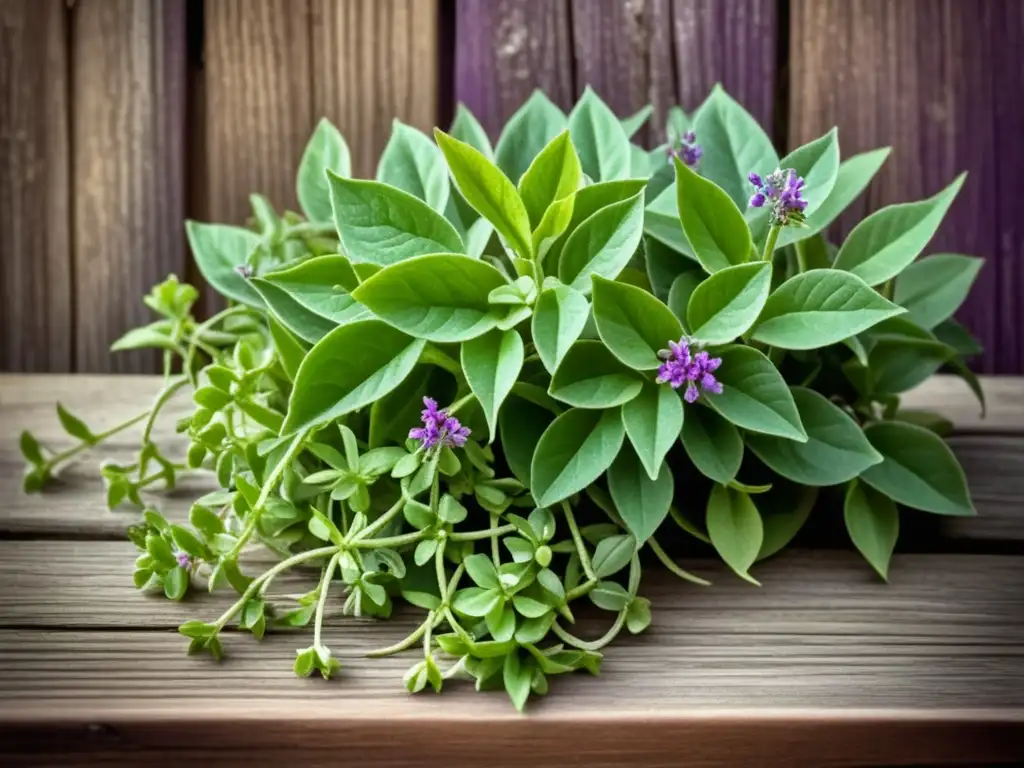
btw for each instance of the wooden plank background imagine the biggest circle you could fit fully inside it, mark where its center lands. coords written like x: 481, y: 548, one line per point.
x: 119, y: 118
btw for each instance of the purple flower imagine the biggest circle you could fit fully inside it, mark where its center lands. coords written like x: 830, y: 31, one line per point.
x: 784, y: 189
x: 439, y: 429
x: 681, y: 367
x: 183, y: 560
x: 688, y: 151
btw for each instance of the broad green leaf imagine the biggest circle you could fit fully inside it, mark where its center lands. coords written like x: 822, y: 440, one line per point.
x: 553, y: 175
x: 959, y: 338
x: 642, y: 502
x: 218, y: 251
x: 735, y: 528
x: 887, y: 241
x: 412, y: 162
x: 726, y: 304
x: 613, y: 554
x: 784, y: 510
x: 155, y: 335
x: 465, y: 127
x: 348, y: 369
x: 754, y: 395
x: 521, y: 423
x: 734, y: 145
x: 713, y: 225
x: 553, y: 223
x: 589, y: 376
x: 307, y: 325
x: 74, y: 426
x: 817, y: 163
x: 677, y: 123
x: 899, y: 364
x: 819, y: 308
x: 836, y: 450
x: 597, y: 134
x: 679, y: 294
x: 633, y: 123
x: 661, y: 218
x: 489, y: 191
x: 603, y: 244
x: 633, y: 324
x: 855, y: 173
x: 325, y: 151
x: 440, y: 297
x: 609, y: 596
x: 575, y: 450
x: 491, y: 364
x: 558, y: 319
x: 526, y: 133
x: 918, y: 469
x: 653, y: 420
x: 873, y: 523
x: 517, y: 678
x: 586, y: 202
x: 290, y: 350
x: 383, y: 225
x: 314, y: 291
x: 933, y: 288
x: 713, y: 444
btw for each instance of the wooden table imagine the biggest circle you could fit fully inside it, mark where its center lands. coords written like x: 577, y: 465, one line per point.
x: 824, y: 665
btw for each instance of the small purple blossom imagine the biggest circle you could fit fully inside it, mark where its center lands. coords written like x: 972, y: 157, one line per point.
x: 694, y: 370
x: 688, y: 150
x: 439, y: 429
x: 784, y: 189
x: 183, y: 560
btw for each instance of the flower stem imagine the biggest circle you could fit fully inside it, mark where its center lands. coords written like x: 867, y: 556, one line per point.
x: 769, y: 246
x: 581, y: 548
x: 325, y: 582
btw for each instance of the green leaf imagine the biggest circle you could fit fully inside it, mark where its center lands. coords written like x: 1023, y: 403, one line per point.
x: 633, y: 324
x: 609, y: 596
x: 325, y: 151
x: 218, y: 250
x: 489, y: 191
x: 521, y: 424
x: 633, y: 123
x: 307, y: 325
x: 74, y: 426
x: 586, y: 202
x: 642, y: 502
x: 526, y: 133
x: 603, y: 244
x: 726, y: 304
x: 591, y: 377
x: 680, y: 292
x: 661, y: 219
x: 817, y: 163
x: 491, y: 364
x: 653, y: 420
x: 638, y: 615
x: 321, y: 286
x: 176, y: 583
x: 476, y: 601
x: 836, y: 450
x: 900, y: 364
x: 887, y: 241
x: 754, y: 395
x: 558, y: 320
x: 481, y: 571
x: 873, y: 523
x: 933, y: 288
x: 383, y: 225
x: 735, y: 528
x: 714, y: 226
x: 575, y: 450
x: 349, y: 368
x: 598, y: 136
x: 959, y: 338
x: 553, y: 223
x: 918, y: 469
x: 517, y: 678
x: 613, y: 554
x: 188, y: 542
x: 440, y: 297
x: 290, y: 351
x: 411, y: 162
x: 784, y: 510
x: 553, y: 175
x: 713, y: 444
x: 465, y: 127
x: 819, y: 308
x: 155, y: 335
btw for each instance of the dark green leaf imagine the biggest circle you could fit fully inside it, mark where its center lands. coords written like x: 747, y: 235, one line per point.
x: 735, y: 528
x: 873, y: 523
x: 573, y: 452
x: 642, y: 502
x: 726, y: 304
x: 653, y: 420
x: 74, y: 426
x: 784, y: 510
x: 521, y: 423
x: 713, y: 444
x: 609, y: 596
x: 633, y: 324
x: 591, y: 377
x: 326, y: 150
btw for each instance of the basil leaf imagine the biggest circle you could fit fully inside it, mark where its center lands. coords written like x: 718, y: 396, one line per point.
x: 899, y: 364
x: 326, y: 150
x: 726, y: 304
x: 735, y: 528
x: 918, y: 469
x: 349, y: 368
x: 591, y: 377
x: 713, y: 225
x: 653, y: 420
x: 491, y: 364
x: 383, y: 225
x: 633, y: 324
x: 613, y: 554
x: 836, y: 450
x: 441, y: 297
x: 598, y: 137
x: 959, y: 338
x: 411, y: 162
x: 933, y: 288
x: 558, y: 320
x: 586, y: 202
x: 603, y: 244
x: 526, y: 133
x: 218, y: 250
x: 307, y: 325
x: 873, y: 523
x: 819, y: 308
x: 887, y: 241
x: 553, y: 223
x: 713, y: 444
x: 575, y: 450
x: 466, y: 128
x: 553, y: 175
x: 754, y: 395
x: 783, y: 516
x: 642, y: 502
x: 521, y: 423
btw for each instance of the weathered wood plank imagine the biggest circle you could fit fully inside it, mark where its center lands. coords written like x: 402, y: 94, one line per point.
x: 731, y: 43
x: 35, y: 213
x: 507, y: 48
x: 373, y: 61
x: 934, y: 101
x: 128, y: 182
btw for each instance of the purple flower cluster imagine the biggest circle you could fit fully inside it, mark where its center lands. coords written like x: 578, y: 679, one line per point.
x: 183, y: 560
x: 783, y: 189
x: 682, y: 367
x: 688, y: 151
x: 439, y: 429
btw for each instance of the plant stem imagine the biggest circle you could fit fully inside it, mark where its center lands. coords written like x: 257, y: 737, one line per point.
x: 172, y: 386
x: 581, y: 548
x: 452, y: 409
x: 478, y: 535
x: 580, y: 590
x: 406, y: 643
x: 57, y: 458
x: 495, y: 552
x: 390, y: 542
x: 435, y: 356
x: 428, y: 624
x: 325, y: 582
x: 769, y: 245
x: 442, y: 580
x: 381, y: 522
x: 591, y: 645
x: 668, y: 563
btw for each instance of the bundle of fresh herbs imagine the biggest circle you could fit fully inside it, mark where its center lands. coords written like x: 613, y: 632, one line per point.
x: 429, y: 383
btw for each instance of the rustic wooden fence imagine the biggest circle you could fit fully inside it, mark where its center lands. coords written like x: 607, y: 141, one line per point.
x: 119, y: 118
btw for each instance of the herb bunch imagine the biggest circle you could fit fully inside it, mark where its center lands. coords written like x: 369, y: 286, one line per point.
x: 484, y: 382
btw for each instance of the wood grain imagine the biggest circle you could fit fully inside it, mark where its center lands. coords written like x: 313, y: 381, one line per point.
x: 374, y: 61
x: 128, y: 182
x: 507, y: 48
x: 925, y: 78
x: 36, y: 314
